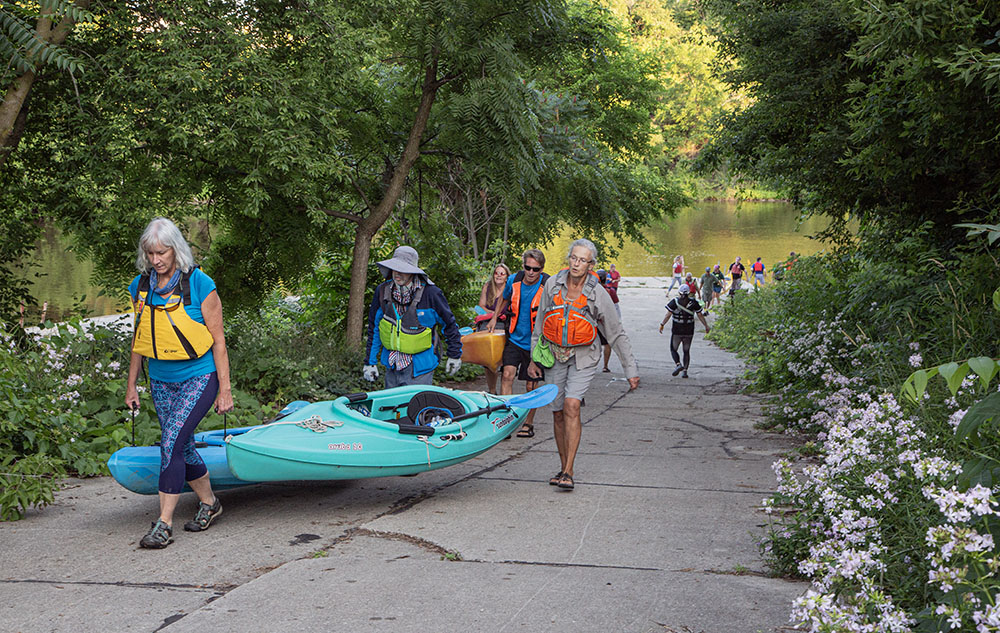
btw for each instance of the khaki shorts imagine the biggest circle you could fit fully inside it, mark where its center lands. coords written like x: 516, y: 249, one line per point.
x: 572, y: 382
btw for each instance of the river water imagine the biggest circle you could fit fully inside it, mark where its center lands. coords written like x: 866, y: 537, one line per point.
x: 707, y: 233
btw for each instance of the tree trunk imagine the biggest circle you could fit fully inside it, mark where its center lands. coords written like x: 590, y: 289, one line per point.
x: 14, y: 99
x: 471, y: 226
x: 369, y: 226
x: 11, y: 113
x: 359, y: 275
x: 506, y: 223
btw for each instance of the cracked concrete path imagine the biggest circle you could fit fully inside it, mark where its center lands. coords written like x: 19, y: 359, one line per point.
x: 659, y: 534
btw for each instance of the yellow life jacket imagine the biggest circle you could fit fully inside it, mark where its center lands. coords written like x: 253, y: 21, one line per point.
x: 403, y: 334
x: 167, y: 332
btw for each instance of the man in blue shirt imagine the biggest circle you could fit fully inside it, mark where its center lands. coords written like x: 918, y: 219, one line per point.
x: 521, y: 296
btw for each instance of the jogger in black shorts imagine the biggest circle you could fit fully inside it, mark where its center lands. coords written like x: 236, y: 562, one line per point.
x: 683, y: 309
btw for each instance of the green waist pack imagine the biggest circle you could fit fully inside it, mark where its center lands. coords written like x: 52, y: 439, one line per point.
x: 395, y: 339
x: 542, y: 354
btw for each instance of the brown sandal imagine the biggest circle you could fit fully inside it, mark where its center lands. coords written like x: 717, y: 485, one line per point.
x: 556, y: 478
x: 566, y: 482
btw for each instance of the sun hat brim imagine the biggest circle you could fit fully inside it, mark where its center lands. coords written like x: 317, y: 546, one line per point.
x: 404, y: 260
x: 389, y: 265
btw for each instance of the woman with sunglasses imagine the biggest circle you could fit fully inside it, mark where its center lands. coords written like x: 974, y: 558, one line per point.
x: 178, y: 329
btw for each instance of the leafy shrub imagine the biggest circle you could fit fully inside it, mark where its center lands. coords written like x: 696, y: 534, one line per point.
x: 278, y: 355
x: 66, y: 413
x: 59, y: 417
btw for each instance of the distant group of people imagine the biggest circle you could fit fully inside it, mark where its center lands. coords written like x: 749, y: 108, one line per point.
x: 713, y: 283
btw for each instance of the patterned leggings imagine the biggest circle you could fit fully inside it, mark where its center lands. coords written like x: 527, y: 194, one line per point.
x: 180, y: 406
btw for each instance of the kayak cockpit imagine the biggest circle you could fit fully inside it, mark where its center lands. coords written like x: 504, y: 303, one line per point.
x: 415, y: 410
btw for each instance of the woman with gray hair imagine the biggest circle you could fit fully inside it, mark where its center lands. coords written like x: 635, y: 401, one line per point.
x: 574, y: 308
x: 178, y: 329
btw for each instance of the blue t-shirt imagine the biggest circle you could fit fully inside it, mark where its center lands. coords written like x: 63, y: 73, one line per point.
x: 521, y: 336
x: 181, y: 370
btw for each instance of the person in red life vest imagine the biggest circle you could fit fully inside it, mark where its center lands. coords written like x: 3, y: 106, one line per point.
x: 736, y: 270
x: 489, y: 300
x: 614, y: 277
x: 758, y: 272
x: 691, y: 284
x: 406, y: 310
x: 178, y: 330
x: 678, y: 272
x: 603, y: 276
x: 573, y: 309
x: 520, y: 300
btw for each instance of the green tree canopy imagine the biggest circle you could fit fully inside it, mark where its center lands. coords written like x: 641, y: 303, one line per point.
x: 885, y: 110
x: 290, y: 127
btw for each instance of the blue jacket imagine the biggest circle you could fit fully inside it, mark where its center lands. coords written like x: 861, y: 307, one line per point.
x: 431, y: 310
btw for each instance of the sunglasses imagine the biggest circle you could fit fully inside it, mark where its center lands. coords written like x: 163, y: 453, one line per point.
x: 534, y: 269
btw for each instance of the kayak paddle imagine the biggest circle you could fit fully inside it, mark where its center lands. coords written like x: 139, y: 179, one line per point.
x: 531, y: 400
x: 534, y: 399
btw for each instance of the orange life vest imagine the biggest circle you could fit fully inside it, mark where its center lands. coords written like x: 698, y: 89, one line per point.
x: 570, y: 324
x: 515, y: 299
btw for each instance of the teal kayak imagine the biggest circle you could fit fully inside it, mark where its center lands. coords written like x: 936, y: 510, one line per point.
x: 400, y: 431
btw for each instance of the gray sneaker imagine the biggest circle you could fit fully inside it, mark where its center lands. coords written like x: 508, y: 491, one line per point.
x: 158, y: 537
x: 204, y: 517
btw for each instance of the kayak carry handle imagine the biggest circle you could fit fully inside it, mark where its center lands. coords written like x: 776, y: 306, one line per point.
x: 357, y: 397
x: 416, y: 429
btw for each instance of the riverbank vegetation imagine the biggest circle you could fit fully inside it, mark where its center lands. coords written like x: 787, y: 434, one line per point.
x: 883, y: 352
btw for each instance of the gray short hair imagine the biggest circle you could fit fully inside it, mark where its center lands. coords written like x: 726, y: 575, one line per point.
x: 586, y: 244
x: 164, y: 232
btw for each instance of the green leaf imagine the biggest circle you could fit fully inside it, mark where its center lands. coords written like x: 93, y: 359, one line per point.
x: 984, y: 367
x: 996, y: 299
x: 953, y: 374
x: 975, y: 471
x: 915, y: 386
x: 979, y: 413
